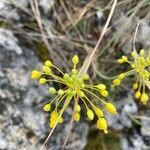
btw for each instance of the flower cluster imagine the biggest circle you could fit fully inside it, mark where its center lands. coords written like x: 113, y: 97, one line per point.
x: 140, y: 68
x: 75, y: 90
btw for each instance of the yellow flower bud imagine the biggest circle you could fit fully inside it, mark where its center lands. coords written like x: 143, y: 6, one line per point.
x: 134, y: 54
x: 77, y: 108
x: 90, y: 114
x: 101, y: 86
x: 142, y: 52
x: 138, y: 94
x: 46, y: 69
x: 60, y: 92
x: 52, y: 90
x: 53, y: 119
x: 117, y: 82
x: 122, y: 75
x: 110, y: 108
x: 66, y: 76
x: 74, y: 71
x: 104, y: 93
x: 81, y: 93
x: 48, y: 63
x: 120, y: 61
x: 54, y: 114
x: 35, y: 74
x: 52, y: 124
x: 42, y: 81
x: 76, y: 116
x: 133, y: 66
x: 75, y: 59
x: 60, y: 119
x: 102, y: 125
x: 99, y: 112
x: 124, y: 58
x: 85, y: 77
x: 47, y: 107
x: 144, y: 98
x: 135, y: 86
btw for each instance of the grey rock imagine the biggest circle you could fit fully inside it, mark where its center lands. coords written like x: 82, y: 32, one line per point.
x: 7, y: 11
x: 9, y: 42
x: 132, y: 141
x: 46, y: 5
x: 143, y: 33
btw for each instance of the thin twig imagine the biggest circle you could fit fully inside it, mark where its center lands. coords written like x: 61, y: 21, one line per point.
x: 89, y: 58
x: 69, y: 130
x: 70, y: 127
x: 135, y: 34
x: 36, y: 11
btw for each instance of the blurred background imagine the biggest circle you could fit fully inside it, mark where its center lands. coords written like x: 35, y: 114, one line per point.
x: 32, y: 31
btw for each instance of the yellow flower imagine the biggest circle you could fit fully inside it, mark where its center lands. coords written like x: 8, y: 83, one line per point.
x: 75, y: 89
x: 47, y: 107
x: 52, y: 90
x: 104, y: 93
x: 117, y: 82
x: 76, y: 116
x: 42, y: 81
x: 77, y: 107
x: 140, y: 69
x: 99, y: 112
x: 135, y: 86
x: 35, y: 74
x: 48, y: 63
x: 102, y: 125
x: 101, y: 86
x: 144, y: 98
x: 110, y: 108
x: 46, y: 69
x: 90, y: 114
x: 75, y: 59
x: 138, y: 94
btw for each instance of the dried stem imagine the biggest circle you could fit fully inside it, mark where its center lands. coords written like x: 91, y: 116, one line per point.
x: 89, y: 58
x: 69, y: 130
x: 135, y: 34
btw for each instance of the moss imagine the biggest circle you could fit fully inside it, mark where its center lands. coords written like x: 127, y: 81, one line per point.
x: 43, y: 52
x: 100, y: 141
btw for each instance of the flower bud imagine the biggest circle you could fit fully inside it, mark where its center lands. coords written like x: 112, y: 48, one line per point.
x: 138, y: 94
x: 144, y: 98
x: 35, y: 74
x: 85, y: 77
x: 76, y: 116
x: 77, y: 107
x: 102, y: 124
x: 47, y: 107
x: 52, y: 90
x: 74, y: 71
x: 110, y: 108
x: 75, y: 59
x: 46, y: 69
x: 90, y: 114
x: 48, y: 63
x: 124, y: 58
x: 60, y: 92
x: 42, y: 81
x: 99, y: 112
x: 135, y: 86
x: 104, y: 93
x: 101, y: 86
x: 117, y: 82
